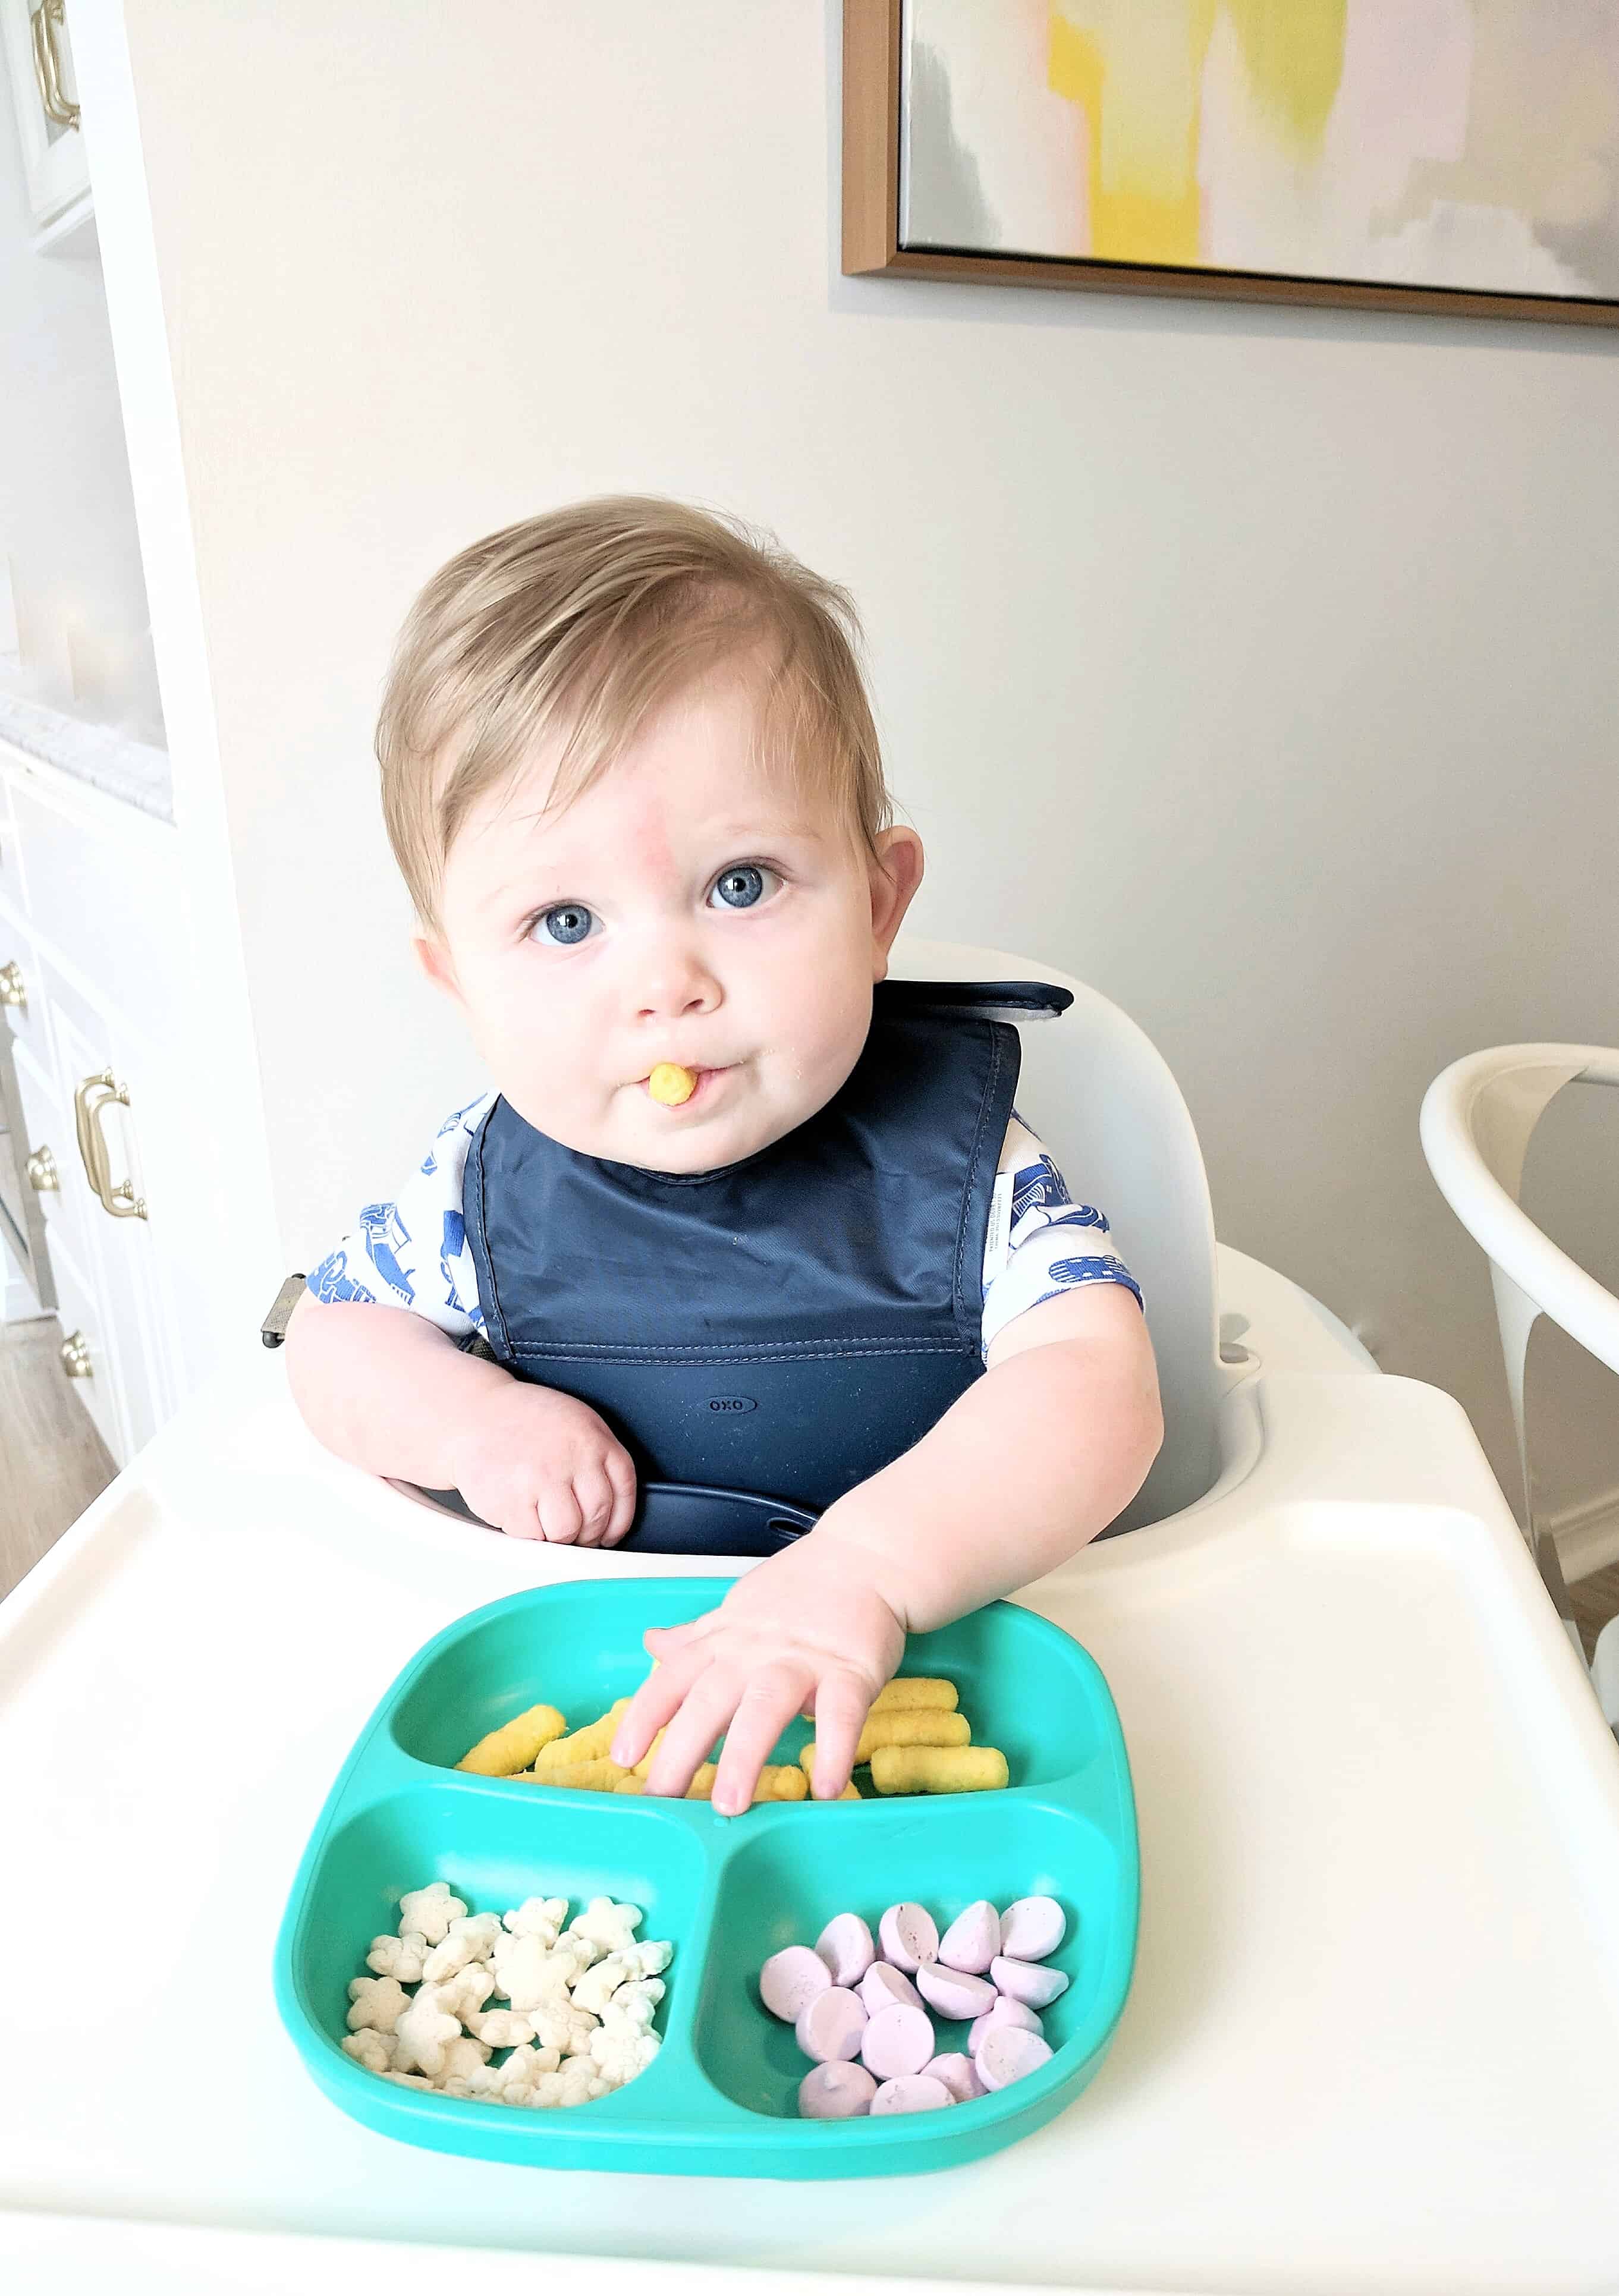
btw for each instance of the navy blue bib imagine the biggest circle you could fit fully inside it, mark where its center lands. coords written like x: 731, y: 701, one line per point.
x: 786, y: 1325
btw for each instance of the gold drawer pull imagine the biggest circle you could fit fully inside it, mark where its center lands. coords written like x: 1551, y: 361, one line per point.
x: 13, y: 988
x: 76, y: 1357
x: 91, y: 1099
x: 43, y: 1175
x: 55, y: 101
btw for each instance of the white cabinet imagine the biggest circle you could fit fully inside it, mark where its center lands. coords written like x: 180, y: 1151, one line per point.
x: 88, y: 895
x: 45, y: 95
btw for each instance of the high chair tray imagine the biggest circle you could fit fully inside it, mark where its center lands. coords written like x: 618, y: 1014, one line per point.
x: 719, y: 2099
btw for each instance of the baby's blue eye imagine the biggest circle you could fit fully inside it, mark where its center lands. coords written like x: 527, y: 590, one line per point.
x: 568, y: 923
x: 740, y: 888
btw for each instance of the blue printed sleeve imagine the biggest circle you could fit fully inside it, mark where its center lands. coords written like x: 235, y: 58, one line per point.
x: 1041, y: 1241
x: 411, y: 1251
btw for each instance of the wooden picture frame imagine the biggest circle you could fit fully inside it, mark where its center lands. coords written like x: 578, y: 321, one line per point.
x: 872, y: 88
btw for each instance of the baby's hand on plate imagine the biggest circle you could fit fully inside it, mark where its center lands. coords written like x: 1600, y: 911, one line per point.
x: 538, y: 1464
x: 805, y: 1630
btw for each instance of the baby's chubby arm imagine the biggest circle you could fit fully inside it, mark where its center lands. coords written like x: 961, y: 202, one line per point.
x: 389, y: 1391
x: 1035, y: 1459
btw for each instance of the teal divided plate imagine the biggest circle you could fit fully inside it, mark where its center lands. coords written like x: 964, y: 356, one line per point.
x: 720, y: 2098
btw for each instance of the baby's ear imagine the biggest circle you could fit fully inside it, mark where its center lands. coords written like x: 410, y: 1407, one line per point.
x: 895, y: 875
x: 434, y: 960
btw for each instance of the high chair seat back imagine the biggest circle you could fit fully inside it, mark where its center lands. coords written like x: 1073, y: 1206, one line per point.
x: 1100, y: 1096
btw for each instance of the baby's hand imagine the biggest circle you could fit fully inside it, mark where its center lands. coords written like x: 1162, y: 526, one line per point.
x: 808, y: 1630
x: 538, y: 1464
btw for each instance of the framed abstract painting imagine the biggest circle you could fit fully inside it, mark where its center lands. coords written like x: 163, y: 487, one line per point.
x: 1418, y: 155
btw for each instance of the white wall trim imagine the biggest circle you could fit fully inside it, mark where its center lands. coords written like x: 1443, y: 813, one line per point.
x: 1587, y: 1535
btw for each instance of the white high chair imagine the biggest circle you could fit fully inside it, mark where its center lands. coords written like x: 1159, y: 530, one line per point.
x: 1102, y: 1098
x: 1477, y: 1117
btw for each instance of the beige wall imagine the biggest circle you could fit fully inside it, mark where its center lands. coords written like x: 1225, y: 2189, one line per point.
x: 1257, y: 665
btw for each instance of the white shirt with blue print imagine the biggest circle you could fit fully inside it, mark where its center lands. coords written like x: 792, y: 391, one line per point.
x: 412, y: 1252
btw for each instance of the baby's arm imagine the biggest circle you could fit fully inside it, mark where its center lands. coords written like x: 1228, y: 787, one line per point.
x: 390, y: 1391
x: 1035, y: 1459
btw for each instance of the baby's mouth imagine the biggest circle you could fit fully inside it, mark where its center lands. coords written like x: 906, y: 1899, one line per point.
x: 671, y: 1085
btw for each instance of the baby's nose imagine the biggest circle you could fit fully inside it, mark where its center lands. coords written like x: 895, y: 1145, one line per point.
x: 676, y: 988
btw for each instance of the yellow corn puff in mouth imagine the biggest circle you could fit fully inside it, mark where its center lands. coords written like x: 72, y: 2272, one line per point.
x: 669, y: 1084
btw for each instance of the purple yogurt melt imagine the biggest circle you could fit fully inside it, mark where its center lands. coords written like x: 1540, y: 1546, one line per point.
x: 973, y: 1939
x: 883, y: 1987
x: 908, y: 1936
x: 896, y: 2041
x: 1006, y: 2012
x: 836, y: 2092
x: 1008, y: 2053
x: 911, y: 2093
x: 1032, y: 1928
x: 831, y: 2025
x: 847, y: 1948
x: 1027, y: 1981
x: 959, y: 2075
x: 953, y: 1993
x: 790, y: 1981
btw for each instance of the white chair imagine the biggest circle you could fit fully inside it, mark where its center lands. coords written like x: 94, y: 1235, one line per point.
x: 1101, y: 1097
x: 1477, y: 1117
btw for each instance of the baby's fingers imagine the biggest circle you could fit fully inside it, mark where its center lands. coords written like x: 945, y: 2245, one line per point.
x: 595, y: 1496
x: 560, y: 1518
x: 841, y: 1704
x: 651, y: 1707
x: 622, y: 1476
x: 769, y: 1702
x: 703, y: 1712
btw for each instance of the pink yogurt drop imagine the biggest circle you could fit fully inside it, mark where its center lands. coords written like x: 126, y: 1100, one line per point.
x: 790, y: 1981
x: 883, y: 1987
x: 1032, y: 1928
x: 972, y: 1939
x: 1007, y: 2053
x: 831, y: 2025
x: 910, y: 1937
x: 959, y: 2075
x: 836, y: 2092
x: 896, y: 2041
x: 1027, y: 1981
x: 847, y: 1948
x: 953, y: 1993
x: 1006, y: 2012
x: 911, y: 2093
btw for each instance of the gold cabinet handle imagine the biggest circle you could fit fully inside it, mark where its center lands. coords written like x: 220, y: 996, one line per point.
x: 13, y: 988
x: 43, y: 1175
x: 48, y: 64
x: 91, y: 1098
x: 76, y: 1357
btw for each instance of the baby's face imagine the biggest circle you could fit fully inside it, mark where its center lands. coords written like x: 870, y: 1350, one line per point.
x: 687, y: 908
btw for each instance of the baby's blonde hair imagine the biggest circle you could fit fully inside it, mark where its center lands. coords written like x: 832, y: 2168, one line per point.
x: 573, y: 627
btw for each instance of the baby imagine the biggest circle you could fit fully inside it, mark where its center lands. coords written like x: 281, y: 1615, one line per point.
x: 630, y: 776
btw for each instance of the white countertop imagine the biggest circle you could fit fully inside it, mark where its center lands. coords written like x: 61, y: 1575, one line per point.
x: 1371, y: 2041
x: 113, y: 762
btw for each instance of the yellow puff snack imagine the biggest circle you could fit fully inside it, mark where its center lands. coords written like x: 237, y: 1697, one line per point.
x: 938, y: 1769
x: 930, y: 1726
x: 599, y: 1776
x: 589, y: 1744
x: 700, y: 1789
x: 669, y: 1084
x: 907, y: 1691
x: 514, y: 1746
x: 781, y: 1781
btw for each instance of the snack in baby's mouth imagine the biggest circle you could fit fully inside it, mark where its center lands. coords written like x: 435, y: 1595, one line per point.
x: 669, y: 1084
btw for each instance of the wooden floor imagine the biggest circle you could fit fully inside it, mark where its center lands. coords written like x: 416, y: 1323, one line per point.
x: 52, y: 1463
